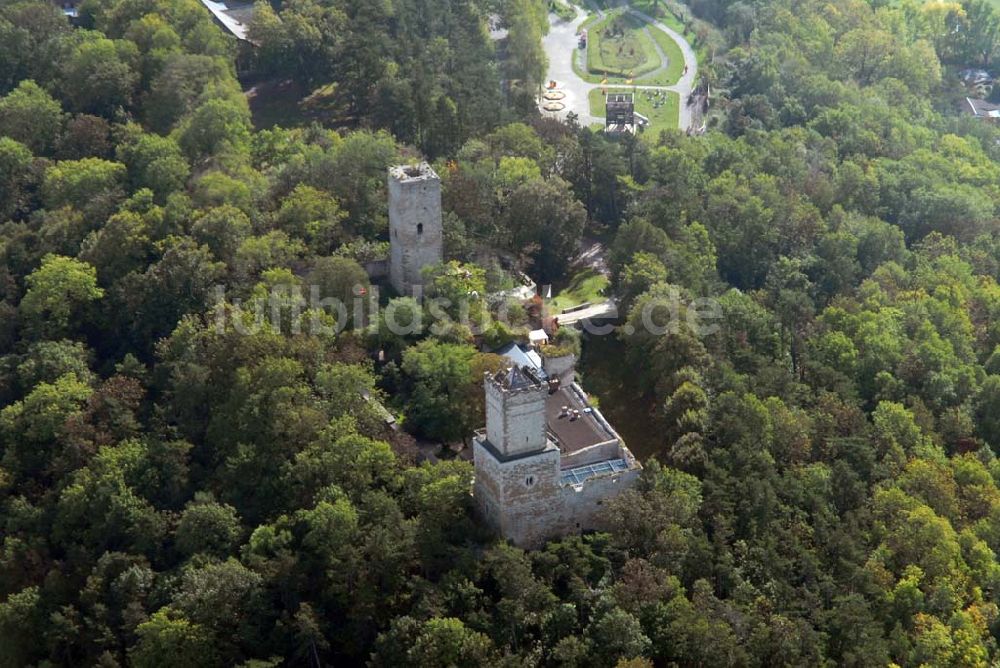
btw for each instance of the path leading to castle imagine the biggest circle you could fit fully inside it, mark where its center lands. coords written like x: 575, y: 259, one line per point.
x: 608, y: 309
x: 562, y: 46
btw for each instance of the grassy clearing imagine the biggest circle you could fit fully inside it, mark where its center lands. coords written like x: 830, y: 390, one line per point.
x: 618, y: 46
x: 591, y: 72
x: 585, y: 286
x: 276, y: 103
x: 675, y: 58
x: 666, y: 116
x: 633, y: 414
x: 659, y: 10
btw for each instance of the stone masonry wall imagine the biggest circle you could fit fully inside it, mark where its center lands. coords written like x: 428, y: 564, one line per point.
x: 581, y: 508
x: 515, y: 421
x: 523, y: 501
x: 415, y: 230
x: 520, y: 499
x: 562, y: 367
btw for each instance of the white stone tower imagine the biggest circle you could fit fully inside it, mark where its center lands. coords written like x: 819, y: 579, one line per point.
x: 517, y: 466
x: 415, y: 231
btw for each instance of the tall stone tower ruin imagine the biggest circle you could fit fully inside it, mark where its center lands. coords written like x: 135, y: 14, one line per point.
x: 415, y: 230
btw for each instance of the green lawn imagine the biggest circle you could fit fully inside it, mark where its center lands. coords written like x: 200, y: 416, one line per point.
x: 675, y: 58
x: 635, y: 51
x: 664, y: 117
x: 585, y: 286
x: 658, y: 10
x: 619, y: 46
x: 275, y: 103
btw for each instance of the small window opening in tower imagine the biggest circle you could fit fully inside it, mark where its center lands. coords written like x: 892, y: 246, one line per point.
x: 529, y: 481
x: 420, y: 228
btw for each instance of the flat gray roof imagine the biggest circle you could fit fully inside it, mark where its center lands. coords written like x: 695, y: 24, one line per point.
x: 573, y: 435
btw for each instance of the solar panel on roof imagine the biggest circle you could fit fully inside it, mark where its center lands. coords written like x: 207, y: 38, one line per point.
x: 581, y: 474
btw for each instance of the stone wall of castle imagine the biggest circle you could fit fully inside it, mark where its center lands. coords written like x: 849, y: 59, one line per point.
x: 595, y: 453
x: 582, y: 505
x: 562, y: 367
x: 520, y: 499
x: 523, y: 500
x: 515, y: 420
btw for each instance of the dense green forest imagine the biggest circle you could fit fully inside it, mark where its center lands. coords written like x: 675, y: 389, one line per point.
x: 825, y: 489
x: 426, y: 70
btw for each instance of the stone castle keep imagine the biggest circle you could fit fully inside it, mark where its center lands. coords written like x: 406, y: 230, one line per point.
x: 415, y: 232
x: 547, y: 460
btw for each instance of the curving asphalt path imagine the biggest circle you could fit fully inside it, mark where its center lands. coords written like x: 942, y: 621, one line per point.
x: 561, y: 46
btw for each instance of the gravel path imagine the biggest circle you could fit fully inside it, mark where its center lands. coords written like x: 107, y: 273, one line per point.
x: 561, y: 46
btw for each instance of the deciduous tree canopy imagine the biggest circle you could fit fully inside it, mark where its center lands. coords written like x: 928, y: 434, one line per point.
x: 191, y: 476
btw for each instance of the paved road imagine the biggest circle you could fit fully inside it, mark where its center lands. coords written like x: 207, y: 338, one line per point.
x: 561, y: 46
x: 686, y: 84
x: 607, y: 309
x: 592, y: 254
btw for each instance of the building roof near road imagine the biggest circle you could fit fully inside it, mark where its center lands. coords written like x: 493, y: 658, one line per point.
x: 232, y: 15
x: 619, y: 115
x: 538, y: 337
x: 982, y: 108
x: 975, y: 76
x: 625, y: 99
